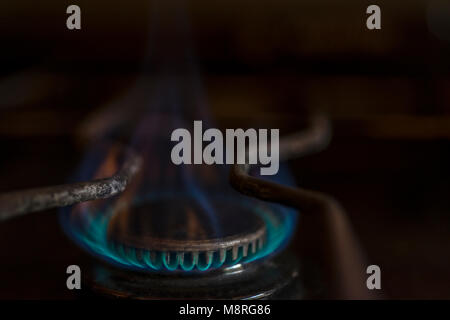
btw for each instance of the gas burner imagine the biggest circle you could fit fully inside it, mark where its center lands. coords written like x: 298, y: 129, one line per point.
x: 173, y: 232
x: 178, y: 233
x: 198, y: 244
x: 277, y: 278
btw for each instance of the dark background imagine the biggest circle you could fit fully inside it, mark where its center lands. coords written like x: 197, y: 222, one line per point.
x: 261, y: 63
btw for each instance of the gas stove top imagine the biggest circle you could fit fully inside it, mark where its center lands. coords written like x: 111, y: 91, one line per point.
x: 280, y: 159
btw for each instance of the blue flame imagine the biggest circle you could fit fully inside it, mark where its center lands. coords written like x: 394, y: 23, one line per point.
x: 89, y: 229
x: 174, y: 99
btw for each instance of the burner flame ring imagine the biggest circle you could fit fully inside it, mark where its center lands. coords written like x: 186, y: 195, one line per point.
x: 93, y: 230
x: 198, y: 247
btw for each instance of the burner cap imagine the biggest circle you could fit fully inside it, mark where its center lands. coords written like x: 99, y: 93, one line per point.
x: 184, y: 233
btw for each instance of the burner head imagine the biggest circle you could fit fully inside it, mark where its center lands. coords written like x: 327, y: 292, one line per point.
x: 186, y: 234
x: 174, y: 232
